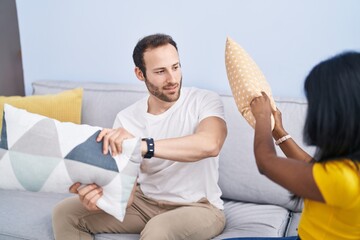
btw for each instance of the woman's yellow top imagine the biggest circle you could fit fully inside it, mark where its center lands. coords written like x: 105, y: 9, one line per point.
x: 339, y: 217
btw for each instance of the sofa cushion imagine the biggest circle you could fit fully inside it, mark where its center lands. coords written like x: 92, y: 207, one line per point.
x: 113, y: 236
x: 254, y: 220
x: 64, y: 106
x: 27, y: 215
x: 42, y: 154
x: 246, y: 80
x: 22, y: 208
x: 242, y: 220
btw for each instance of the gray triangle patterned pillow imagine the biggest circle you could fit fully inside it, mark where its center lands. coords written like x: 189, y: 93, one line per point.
x: 38, y: 153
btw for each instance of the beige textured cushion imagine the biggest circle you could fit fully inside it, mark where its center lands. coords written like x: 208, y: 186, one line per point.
x: 246, y: 80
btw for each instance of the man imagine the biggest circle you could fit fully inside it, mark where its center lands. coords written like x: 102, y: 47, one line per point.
x: 177, y: 196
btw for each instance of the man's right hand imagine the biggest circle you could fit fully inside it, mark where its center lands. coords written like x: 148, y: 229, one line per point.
x: 88, y: 195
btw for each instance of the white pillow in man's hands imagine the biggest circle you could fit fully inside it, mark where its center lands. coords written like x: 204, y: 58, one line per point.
x: 42, y: 154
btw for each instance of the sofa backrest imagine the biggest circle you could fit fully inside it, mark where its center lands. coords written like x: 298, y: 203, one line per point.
x: 239, y: 177
x: 101, y: 101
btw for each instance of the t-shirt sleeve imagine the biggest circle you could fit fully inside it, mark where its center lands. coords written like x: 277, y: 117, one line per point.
x: 117, y: 121
x: 338, y: 182
x: 211, y: 106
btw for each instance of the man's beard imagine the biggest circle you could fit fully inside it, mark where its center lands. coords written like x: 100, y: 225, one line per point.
x: 158, y: 92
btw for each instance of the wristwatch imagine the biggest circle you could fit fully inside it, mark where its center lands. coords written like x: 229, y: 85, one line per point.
x: 150, y: 147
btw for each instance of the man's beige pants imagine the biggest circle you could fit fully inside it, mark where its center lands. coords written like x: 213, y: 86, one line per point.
x: 154, y: 220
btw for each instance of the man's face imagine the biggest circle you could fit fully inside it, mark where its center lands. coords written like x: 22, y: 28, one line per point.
x: 163, y: 73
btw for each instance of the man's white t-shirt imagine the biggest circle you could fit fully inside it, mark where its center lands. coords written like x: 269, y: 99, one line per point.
x: 170, y: 180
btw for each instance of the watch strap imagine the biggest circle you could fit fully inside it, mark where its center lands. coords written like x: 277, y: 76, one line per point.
x: 150, y: 147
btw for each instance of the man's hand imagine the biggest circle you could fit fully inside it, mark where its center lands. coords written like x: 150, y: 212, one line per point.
x: 88, y: 195
x: 113, y: 139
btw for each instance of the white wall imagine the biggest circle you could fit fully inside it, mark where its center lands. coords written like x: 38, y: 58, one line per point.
x: 92, y: 40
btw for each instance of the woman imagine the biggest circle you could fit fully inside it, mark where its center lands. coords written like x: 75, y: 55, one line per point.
x: 329, y: 183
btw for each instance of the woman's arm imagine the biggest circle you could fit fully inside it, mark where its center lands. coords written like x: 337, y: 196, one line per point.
x: 289, y: 147
x: 294, y: 175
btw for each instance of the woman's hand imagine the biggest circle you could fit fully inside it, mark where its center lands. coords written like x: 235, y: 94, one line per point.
x: 278, y: 130
x: 260, y: 106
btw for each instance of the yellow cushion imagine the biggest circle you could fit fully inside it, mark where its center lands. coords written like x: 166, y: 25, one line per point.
x: 64, y: 106
x: 246, y: 80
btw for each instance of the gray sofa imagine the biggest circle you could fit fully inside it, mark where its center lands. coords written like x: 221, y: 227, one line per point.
x: 254, y: 206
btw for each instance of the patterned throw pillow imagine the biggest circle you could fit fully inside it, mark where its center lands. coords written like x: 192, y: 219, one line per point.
x: 42, y: 154
x: 246, y: 80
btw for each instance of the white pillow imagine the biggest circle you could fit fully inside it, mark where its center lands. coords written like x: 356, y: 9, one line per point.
x: 42, y: 154
x: 246, y: 80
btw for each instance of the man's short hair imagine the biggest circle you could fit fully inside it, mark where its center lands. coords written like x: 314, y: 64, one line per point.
x: 150, y: 42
